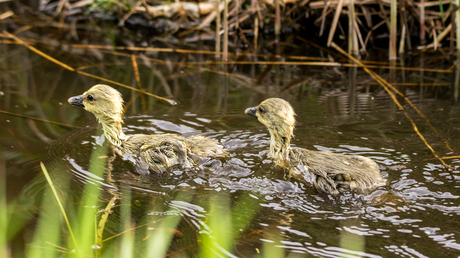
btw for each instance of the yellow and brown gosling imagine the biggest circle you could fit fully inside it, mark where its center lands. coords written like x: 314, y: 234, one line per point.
x: 328, y: 172
x: 149, y: 152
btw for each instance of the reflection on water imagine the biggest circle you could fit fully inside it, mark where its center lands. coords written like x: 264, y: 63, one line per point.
x: 414, y: 214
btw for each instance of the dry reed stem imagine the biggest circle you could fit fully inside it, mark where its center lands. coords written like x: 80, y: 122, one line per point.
x: 415, y: 84
x: 382, y: 81
x: 393, y: 28
x: 441, y: 36
x: 323, y: 17
x: 422, y: 22
x: 38, y: 119
x: 191, y: 65
x: 256, y: 33
x: 172, y: 102
x: 335, y: 20
x: 379, y: 79
x: 6, y: 15
x: 358, y: 35
x: 136, y: 70
x: 384, y: 15
x: 449, y: 70
x: 187, y: 51
x: 451, y: 157
x: 331, y: 64
x: 386, y: 86
x: 131, y: 229
x: 39, y: 52
x: 131, y: 12
x: 218, y: 16
x: 60, y: 6
x: 102, y: 221
x: 426, y: 143
x: 409, y: 84
x: 402, y: 40
x: 352, y: 38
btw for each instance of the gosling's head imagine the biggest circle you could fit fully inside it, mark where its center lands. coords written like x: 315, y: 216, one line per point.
x: 103, y: 101
x: 277, y: 115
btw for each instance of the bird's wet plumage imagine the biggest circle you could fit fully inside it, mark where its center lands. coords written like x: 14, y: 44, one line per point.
x: 328, y: 172
x: 149, y: 152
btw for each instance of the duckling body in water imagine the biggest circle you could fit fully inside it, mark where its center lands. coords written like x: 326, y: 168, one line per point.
x: 149, y: 152
x: 328, y: 172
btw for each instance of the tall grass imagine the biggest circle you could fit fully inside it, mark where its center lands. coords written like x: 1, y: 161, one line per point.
x: 3, y: 211
x: 74, y: 228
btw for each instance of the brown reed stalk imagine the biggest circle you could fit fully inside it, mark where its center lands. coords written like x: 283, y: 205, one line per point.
x: 172, y: 102
x: 404, y: 20
x: 225, y: 52
x: 217, y: 53
x: 451, y: 157
x: 457, y: 79
x: 382, y: 64
x: 452, y: 31
x: 323, y: 17
x: 38, y: 119
x: 256, y: 33
x: 102, y: 222
x: 388, y: 86
x: 426, y: 143
x: 132, y: 229
x: 277, y: 17
x: 6, y: 15
x: 39, y: 52
x: 422, y: 21
x: 384, y: 14
x: 457, y: 23
x: 335, y: 21
x: 136, y: 70
x: 351, y: 31
x: 402, y: 40
x: 441, y: 36
x: 393, y: 29
x: 330, y: 64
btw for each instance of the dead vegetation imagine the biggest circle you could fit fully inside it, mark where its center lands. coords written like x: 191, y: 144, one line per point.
x: 403, y: 26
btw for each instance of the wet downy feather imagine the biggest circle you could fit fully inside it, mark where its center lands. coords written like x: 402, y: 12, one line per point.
x: 328, y: 172
x: 149, y: 152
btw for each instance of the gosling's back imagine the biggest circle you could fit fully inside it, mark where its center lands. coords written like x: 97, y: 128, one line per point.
x: 335, y: 173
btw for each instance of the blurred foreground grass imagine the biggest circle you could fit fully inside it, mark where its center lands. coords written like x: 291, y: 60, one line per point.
x: 81, y: 235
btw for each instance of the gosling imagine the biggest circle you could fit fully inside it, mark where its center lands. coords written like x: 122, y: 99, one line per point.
x: 328, y: 172
x: 155, y: 152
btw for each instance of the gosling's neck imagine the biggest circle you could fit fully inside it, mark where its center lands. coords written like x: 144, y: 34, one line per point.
x: 113, y: 130
x: 279, y: 147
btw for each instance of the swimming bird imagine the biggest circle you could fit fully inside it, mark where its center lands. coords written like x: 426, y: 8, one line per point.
x: 328, y: 172
x: 155, y: 152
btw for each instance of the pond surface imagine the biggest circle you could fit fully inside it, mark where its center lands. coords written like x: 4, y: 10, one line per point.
x: 339, y: 109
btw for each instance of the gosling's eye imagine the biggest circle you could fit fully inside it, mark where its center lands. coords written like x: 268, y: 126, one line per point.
x: 261, y: 109
x: 90, y: 97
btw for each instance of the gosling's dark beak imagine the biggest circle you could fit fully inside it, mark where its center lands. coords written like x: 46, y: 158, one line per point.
x: 251, y: 111
x: 76, y: 101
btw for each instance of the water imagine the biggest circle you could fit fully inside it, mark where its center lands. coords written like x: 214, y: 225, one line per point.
x: 338, y: 109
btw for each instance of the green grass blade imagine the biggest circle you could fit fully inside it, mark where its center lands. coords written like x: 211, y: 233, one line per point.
x: 102, y: 221
x: 441, y: 10
x: 3, y: 211
x: 160, y: 241
x: 50, y: 182
x: 87, y: 210
x: 218, y: 240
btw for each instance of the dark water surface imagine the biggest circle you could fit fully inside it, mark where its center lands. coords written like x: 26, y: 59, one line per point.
x: 342, y: 110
